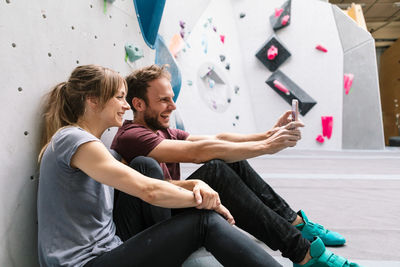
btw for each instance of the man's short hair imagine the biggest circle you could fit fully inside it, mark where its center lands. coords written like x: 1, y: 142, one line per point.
x: 138, y: 81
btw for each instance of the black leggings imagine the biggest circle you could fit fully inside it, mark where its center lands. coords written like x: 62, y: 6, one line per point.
x: 171, y: 241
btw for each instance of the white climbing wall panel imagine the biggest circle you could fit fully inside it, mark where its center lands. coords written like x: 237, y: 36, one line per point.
x: 41, y: 42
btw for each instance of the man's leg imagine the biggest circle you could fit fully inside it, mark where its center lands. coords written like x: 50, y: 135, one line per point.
x: 270, y: 198
x: 263, y: 191
x: 131, y: 214
x: 250, y: 213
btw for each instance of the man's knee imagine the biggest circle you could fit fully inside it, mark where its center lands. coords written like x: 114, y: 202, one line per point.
x: 147, y: 166
x: 218, y: 163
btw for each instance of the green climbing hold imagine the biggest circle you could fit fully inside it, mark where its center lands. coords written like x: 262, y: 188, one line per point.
x: 133, y: 52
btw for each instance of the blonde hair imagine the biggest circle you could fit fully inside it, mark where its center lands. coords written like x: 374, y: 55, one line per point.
x: 65, y: 103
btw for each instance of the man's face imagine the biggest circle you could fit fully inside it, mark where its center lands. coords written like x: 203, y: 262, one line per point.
x: 160, y: 104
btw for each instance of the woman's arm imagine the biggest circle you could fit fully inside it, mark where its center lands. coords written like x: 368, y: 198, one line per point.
x: 95, y: 160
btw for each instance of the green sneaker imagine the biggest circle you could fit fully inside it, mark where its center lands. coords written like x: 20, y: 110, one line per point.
x: 310, y: 230
x: 321, y: 257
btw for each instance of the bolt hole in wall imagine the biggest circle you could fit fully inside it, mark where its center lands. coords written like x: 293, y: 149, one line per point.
x: 26, y: 133
x: 19, y: 89
x: 32, y: 177
x: 77, y: 62
x: 73, y: 27
x: 14, y: 45
x: 44, y: 16
x: 8, y: 1
x: 49, y: 54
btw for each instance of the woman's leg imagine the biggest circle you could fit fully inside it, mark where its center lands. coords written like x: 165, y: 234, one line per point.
x: 250, y: 213
x: 131, y: 214
x: 170, y: 242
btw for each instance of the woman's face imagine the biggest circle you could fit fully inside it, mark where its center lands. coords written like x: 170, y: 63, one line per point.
x: 114, y: 110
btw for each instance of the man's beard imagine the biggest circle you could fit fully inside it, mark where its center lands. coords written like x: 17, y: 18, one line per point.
x: 152, y: 122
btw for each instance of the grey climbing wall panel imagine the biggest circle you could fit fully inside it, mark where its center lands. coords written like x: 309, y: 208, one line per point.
x: 362, y: 115
x: 41, y: 42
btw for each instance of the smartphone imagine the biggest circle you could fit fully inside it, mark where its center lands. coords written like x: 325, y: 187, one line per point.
x: 295, y: 110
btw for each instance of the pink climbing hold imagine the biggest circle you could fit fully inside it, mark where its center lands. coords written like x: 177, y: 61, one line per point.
x: 222, y: 38
x: 327, y: 125
x: 278, y: 12
x: 281, y: 87
x: 285, y: 19
x: 272, y: 52
x: 321, y: 48
x: 320, y: 139
x: 348, y: 81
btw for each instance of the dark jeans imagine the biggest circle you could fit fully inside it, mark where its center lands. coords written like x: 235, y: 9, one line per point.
x: 170, y: 241
x: 255, y: 206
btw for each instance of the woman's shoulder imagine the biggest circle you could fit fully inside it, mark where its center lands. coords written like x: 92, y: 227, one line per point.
x: 72, y: 134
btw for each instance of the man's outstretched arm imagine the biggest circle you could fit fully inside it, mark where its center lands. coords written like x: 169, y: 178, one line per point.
x: 213, y: 148
x: 236, y: 137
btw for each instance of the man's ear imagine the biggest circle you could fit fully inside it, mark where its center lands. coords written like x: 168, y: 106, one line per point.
x: 138, y: 104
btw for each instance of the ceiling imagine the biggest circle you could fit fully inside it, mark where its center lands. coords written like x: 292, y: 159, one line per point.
x: 381, y: 16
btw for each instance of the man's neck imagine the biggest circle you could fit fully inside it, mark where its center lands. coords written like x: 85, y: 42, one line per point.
x: 142, y: 123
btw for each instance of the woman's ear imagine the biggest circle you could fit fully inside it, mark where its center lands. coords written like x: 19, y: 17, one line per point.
x: 138, y: 104
x: 92, y: 102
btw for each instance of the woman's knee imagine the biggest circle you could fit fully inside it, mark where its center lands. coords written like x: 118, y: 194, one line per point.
x: 147, y: 166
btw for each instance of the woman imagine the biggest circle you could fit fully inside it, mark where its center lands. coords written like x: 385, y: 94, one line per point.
x: 77, y: 177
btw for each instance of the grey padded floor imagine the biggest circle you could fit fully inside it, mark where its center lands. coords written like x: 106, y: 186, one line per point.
x: 356, y: 193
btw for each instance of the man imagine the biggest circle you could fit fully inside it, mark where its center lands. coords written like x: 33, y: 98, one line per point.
x: 253, y: 203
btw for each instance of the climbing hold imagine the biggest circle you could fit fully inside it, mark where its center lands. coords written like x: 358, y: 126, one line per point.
x: 222, y: 58
x: 281, y: 87
x: 280, y: 58
x: 242, y: 15
x: 204, y: 43
x: 320, y: 139
x: 327, y: 125
x: 182, y: 34
x: 348, y: 81
x: 278, y: 12
x: 228, y: 66
x: 321, y: 48
x: 211, y: 83
x: 281, y: 17
x: 214, y: 104
x: 182, y: 24
x: 285, y: 19
x: 176, y: 44
x: 133, y: 52
x: 272, y: 52
x: 222, y: 37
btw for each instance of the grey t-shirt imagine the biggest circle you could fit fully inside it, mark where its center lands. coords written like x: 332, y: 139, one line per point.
x: 74, y: 211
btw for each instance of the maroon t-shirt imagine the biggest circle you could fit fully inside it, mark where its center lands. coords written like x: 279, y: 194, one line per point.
x: 134, y: 140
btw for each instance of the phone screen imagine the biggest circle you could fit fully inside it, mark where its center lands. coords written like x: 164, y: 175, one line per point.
x: 295, y: 110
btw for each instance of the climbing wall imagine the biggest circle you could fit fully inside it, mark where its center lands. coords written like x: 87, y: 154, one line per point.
x: 214, y: 95
x: 41, y: 43
x: 223, y: 85
x: 357, y: 122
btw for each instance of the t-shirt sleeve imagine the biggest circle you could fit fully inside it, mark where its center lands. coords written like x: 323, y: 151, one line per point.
x: 67, y: 141
x: 135, y: 142
x: 179, y: 134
